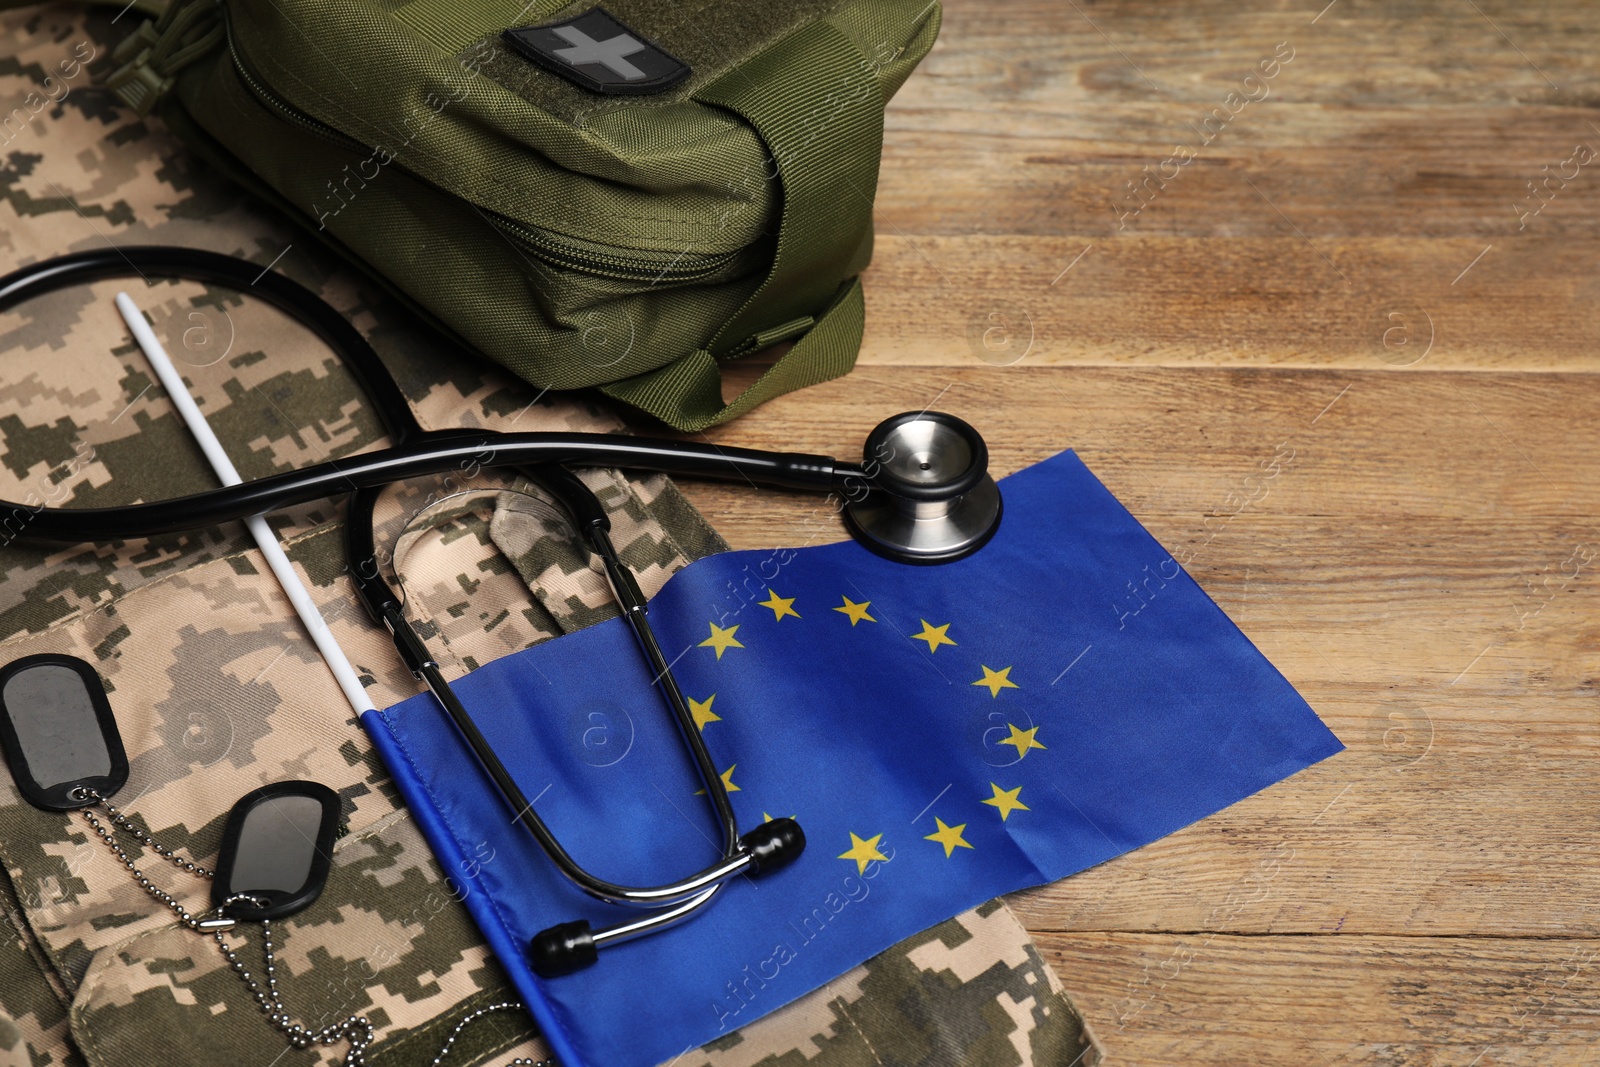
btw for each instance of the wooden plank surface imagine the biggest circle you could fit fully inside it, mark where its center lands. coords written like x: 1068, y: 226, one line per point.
x: 1341, y: 271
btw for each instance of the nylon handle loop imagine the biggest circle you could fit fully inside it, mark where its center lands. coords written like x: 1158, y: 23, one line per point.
x: 817, y: 105
x: 686, y: 394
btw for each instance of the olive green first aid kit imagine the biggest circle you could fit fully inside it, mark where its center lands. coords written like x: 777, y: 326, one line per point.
x: 623, y: 196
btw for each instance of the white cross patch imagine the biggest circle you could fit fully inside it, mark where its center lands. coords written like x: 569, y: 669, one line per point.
x: 611, y: 54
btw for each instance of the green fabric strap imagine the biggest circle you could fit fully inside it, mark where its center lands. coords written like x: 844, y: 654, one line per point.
x: 818, y: 106
x: 686, y: 394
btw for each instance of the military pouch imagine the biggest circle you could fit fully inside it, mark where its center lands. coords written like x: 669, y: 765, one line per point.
x: 623, y: 197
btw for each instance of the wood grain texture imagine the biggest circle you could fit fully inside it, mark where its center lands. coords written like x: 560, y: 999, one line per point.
x: 1393, y: 149
x: 1341, y: 271
x: 1173, y: 1000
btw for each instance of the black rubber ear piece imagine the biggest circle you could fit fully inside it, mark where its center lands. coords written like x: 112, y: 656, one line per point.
x: 774, y: 845
x: 562, y: 949
x: 276, y: 850
x: 58, y: 733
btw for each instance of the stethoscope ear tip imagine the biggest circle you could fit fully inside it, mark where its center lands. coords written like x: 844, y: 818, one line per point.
x: 563, y: 949
x: 773, y: 845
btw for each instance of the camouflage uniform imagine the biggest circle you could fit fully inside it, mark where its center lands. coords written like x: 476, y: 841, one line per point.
x: 216, y: 688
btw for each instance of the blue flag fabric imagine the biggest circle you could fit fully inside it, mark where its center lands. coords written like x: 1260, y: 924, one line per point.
x: 943, y: 734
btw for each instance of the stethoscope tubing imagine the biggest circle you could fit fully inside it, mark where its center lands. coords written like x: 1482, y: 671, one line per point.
x: 430, y: 453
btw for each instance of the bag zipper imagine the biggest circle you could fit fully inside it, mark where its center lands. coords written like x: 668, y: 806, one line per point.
x: 556, y: 250
x: 273, y: 103
x: 631, y: 265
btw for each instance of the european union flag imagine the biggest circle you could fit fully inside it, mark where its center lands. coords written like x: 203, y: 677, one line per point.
x: 943, y: 734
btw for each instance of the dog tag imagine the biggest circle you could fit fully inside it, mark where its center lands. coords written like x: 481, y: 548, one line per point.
x: 58, y: 733
x: 276, y: 847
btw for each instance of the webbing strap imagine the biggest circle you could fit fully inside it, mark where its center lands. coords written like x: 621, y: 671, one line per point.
x: 817, y: 105
x: 686, y: 394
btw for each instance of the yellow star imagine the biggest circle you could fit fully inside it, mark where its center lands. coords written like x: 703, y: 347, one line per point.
x: 948, y: 836
x: 995, y: 680
x: 1022, y: 739
x: 768, y: 818
x: 863, y: 852
x: 780, y: 605
x: 721, y: 639
x: 701, y: 710
x: 934, y: 635
x: 1006, y: 801
x: 857, y: 612
x: 727, y: 783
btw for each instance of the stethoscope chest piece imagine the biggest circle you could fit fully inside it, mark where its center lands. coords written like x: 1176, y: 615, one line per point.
x: 933, y: 499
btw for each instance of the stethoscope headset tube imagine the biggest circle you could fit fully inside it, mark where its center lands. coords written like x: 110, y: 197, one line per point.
x: 922, y: 494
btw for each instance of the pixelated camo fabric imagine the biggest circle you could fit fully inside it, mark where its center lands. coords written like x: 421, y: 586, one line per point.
x: 216, y: 689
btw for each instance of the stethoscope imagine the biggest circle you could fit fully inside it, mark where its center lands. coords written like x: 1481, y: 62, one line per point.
x: 921, y: 494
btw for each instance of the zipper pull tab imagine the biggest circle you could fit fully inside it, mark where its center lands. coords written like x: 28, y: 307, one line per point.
x: 152, y: 55
x: 787, y: 331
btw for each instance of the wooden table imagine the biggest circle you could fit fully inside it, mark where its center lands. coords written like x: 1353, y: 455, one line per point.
x: 1351, y: 270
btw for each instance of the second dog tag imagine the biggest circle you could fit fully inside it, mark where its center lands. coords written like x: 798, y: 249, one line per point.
x: 276, y: 848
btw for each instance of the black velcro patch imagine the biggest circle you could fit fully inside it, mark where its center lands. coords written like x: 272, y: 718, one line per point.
x: 599, y: 53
